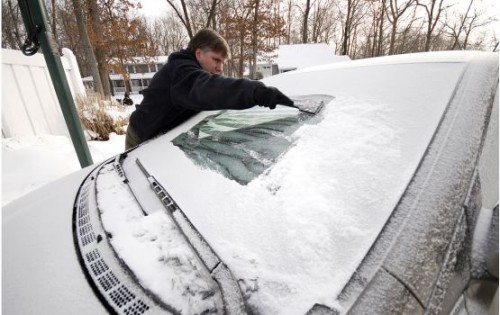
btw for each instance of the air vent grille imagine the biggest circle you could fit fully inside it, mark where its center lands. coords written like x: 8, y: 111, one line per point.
x: 137, y: 308
x: 83, y: 221
x: 86, y: 229
x: 108, y: 281
x: 121, y: 296
x: 111, y: 282
x: 83, y: 210
x: 93, y: 255
x: 99, y: 267
x: 87, y: 239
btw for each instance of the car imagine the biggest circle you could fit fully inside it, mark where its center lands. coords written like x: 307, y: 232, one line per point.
x: 385, y: 201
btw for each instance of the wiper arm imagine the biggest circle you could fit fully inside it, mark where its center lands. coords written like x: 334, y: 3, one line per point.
x: 231, y: 293
x: 117, y: 164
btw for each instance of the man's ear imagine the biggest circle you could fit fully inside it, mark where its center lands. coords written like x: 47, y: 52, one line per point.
x: 197, y: 53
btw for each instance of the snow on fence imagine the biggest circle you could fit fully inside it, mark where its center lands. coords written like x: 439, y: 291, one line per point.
x: 29, y: 101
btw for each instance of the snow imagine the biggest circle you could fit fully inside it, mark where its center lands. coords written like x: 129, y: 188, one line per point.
x: 157, y: 237
x: 30, y: 162
x: 301, y: 56
x: 294, y: 235
x: 298, y: 232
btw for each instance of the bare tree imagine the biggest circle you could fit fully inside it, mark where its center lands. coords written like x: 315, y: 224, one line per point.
x: 185, y: 14
x: 352, y: 17
x: 169, y: 33
x: 461, y: 28
x: 323, y: 22
x: 12, y: 28
x: 375, y: 31
x: 354, y: 14
x: 433, y: 9
x: 394, y: 14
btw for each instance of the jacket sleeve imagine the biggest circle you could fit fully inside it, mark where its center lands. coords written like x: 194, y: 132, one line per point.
x: 197, y: 89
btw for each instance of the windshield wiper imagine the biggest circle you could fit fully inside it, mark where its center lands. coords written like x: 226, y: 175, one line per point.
x: 231, y: 293
x: 117, y: 164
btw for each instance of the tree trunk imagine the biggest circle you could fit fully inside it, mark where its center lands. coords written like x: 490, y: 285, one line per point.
x: 87, y: 46
x: 305, y: 21
x: 381, y: 30
x: 254, y: 39
x: 347, y: 29
x: 99, y: 51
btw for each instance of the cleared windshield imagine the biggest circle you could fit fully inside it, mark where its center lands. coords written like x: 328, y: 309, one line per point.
x: 242, y: 145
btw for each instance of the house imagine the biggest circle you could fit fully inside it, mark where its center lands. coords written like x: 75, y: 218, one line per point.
x: 285, y: 58
x: 140, y: 70
x: 298, y: 56
x: 266, y: 65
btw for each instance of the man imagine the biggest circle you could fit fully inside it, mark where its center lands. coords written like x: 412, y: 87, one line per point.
x: 190, y: 82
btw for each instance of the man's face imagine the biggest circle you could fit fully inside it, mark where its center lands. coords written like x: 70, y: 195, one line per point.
x: 210, y: 61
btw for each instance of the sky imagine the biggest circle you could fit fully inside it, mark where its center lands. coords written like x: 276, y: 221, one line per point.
x: 154, y: 8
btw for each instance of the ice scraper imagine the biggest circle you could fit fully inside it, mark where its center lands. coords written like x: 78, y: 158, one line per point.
x: 311, y: 104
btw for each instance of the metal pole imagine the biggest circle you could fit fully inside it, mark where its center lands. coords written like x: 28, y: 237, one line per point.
x: 35, y: 20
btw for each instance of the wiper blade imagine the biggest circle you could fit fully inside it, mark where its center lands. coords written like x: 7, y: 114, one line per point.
x: 231, y: 293
x: 117, y: 164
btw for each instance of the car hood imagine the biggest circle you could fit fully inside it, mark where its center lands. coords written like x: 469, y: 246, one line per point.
x: 41, y: 273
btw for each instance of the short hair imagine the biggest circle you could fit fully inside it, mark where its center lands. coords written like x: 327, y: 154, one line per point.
x: 208, y: 39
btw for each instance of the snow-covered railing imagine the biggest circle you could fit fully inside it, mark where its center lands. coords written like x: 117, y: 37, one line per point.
x: 29, y: 100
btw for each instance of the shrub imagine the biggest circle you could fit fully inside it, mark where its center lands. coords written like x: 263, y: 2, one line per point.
x: 101, y: 117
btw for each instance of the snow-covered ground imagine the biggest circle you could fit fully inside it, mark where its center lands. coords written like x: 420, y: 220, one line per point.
x: 31, y: 162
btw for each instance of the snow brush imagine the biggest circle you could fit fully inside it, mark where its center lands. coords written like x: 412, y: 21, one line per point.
x: 310, y: 104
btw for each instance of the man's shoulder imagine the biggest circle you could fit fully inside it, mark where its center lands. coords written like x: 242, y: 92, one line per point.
x: 183, y: 54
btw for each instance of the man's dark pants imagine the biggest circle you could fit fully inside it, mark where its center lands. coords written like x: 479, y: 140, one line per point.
x: 131, y: 140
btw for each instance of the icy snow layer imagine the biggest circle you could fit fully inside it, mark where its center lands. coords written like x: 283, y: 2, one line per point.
x: 301, y: 199
x: 154, y: 250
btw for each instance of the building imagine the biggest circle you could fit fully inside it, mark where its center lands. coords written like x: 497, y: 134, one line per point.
x: 285, y: 58
x: 140, y: 70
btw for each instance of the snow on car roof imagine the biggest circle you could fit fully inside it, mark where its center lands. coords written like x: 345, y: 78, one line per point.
x: 296, y: 234
x: 435, y: 57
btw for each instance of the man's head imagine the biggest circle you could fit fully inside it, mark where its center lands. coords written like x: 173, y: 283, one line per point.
x: 210, y: 49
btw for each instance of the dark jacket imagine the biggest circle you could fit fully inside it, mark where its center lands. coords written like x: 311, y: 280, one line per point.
x: 182, y: 89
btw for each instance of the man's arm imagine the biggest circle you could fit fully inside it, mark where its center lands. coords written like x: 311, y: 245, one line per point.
x: 197, y: 89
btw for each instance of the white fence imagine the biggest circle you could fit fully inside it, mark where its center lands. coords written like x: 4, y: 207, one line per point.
x: 29, y: 101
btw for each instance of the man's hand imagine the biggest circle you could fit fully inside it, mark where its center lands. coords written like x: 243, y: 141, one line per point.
x: 270, y: 97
